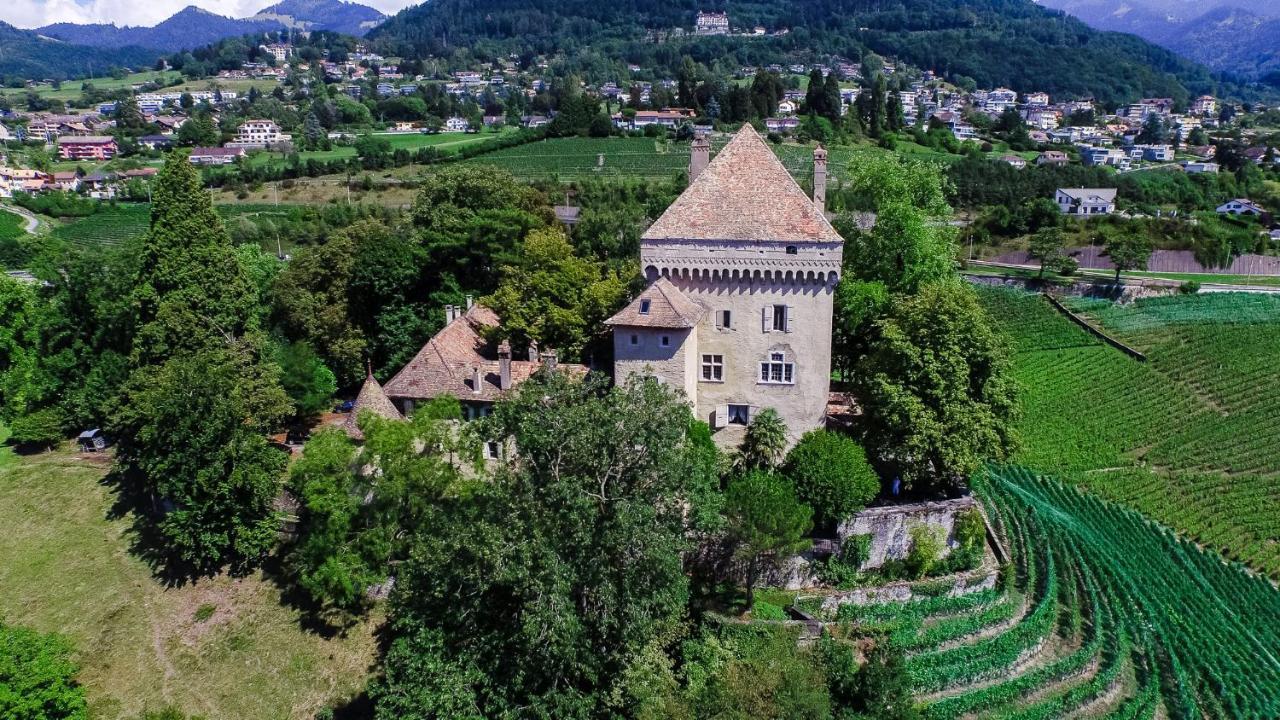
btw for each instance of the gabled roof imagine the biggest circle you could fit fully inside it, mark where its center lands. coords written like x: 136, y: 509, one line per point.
x: 371, y: 399
x: 744, y: 194
x: 1105, y: 195
x: 447, y: 364
x: 666, y: 307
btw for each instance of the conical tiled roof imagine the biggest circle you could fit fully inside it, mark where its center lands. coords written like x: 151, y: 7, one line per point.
x: 744, y: 194
x: 661, y: 305
x: 374, y: 400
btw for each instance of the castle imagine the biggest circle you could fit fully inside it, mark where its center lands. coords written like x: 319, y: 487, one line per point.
x: 742, y: 269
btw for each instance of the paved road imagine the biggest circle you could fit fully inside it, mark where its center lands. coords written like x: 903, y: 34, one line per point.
x: 32, y: 221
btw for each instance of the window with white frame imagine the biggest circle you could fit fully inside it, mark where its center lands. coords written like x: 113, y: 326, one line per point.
x: 644, y: 307
x: 492, y: 450
x: 777, y: 370
x: 739, y: 414
x: 713, y: 368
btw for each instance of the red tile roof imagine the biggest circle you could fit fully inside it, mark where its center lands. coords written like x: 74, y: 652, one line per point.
x: 446, y: 364
x: 667, y: 307
x: 744, y: 194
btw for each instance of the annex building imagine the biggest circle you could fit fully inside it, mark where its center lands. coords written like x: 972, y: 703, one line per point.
x: 742, y: 271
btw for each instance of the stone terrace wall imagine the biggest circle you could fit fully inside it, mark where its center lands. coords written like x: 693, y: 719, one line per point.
x: 890, y: 527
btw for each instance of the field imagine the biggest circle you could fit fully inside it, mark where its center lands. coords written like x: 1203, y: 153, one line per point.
x: 65, y: 566
x: 70, y: 90
x: 1188, y: 438
x: 12, y: 226
x: 446, y: 142
x: 110, y: 226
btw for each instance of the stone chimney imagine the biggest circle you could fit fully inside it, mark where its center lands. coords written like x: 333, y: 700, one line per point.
x: 469, y: 302
x: 549, y: 360
x: 475, y: 379
x: 533, y: 351
x: 504, y: 366
x: 699, y: 156
x: 448, y: 314
x: 820, y: 178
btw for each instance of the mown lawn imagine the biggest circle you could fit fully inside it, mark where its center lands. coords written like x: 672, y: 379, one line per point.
x: 66, y: 567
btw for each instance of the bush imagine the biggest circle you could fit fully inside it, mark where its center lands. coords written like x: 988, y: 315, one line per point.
x: 926, y: 549
x: 37, y: 677
x: 1190, y: 287
x: 832, y: 475
x: 39, y: 430
x: 763, y: 610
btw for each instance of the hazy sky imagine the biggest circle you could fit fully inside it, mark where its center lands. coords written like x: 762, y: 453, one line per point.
x: 35, y: 13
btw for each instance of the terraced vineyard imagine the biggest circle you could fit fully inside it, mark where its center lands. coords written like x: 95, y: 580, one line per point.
x: 112, y: 225
x: 1188, y: 438
x: 1102, y: 614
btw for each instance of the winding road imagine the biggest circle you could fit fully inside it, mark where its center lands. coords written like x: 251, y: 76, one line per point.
x: 32, y: 221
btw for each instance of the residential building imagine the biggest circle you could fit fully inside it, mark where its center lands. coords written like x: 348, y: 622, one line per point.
x: 666, y: 117
x: 258, y: 134
x: 68, y: 181
x: 215, y: 155
x: 372, y: 399
x: 1086, y: 201
x: 1204, y: 105
x: 711, y: 23
x: 1193, y: 168
x: 742, y: 269
x: 279, y: 51
x: 1156, y: 153
x: 1052, y: 157
x: 457, y: 124
x: 1240, y: 206
x: 781, y: 125
x: 1016, y: 161
x: 88, y: 147
x: 1036, y: 98
x: 156, y: 142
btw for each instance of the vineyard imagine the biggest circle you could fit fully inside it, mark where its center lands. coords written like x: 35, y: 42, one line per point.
x: 110, y: 226
x: 1188, y: 438
x: 1101, y: 614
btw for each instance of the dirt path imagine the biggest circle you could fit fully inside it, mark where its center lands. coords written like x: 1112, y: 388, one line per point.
x: 33, y: 223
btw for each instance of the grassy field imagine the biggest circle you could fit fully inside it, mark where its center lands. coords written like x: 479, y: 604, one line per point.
x: 65, y: 567
x: 445, y: 142
x: 1188, y: 438
x: 12, y: 226
x: 70, y: 89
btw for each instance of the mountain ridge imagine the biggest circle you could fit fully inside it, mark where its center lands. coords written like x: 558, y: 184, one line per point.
x: 193, y: 27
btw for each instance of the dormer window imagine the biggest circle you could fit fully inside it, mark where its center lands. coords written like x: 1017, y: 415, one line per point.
x: 644, y: 307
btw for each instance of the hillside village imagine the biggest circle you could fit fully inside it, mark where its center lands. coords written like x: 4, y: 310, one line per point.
x: 338, y: 383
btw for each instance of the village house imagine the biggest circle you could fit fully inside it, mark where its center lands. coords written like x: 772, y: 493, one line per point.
x: 88, y: 147
x: 1016, y: 161
x: 1204, y: 105
x: 1086, y: 201
x: 457, y: 124
x: 742, y: 270
x: 1240, y: 206
x: 258, y: 134
x: 1054, y: 158
x: 372, y: 399
x: 67, y: 181
x: 1193, y: 168
x: 781, y: 125
x: 215, y: 155
x: 1036, y: 98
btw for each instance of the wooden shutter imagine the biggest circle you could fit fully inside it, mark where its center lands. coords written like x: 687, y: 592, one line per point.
x: 767, y: 319
x: 791, y: 317
x: 721, y: 418
x: 719, y: 319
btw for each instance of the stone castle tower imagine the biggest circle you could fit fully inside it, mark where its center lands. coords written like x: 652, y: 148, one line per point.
x: 742, y: 268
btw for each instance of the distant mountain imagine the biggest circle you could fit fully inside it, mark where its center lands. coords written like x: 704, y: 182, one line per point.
x: 1237, y: 36
x: 25, y: 54
x: 1012, y: 43
x: 333, y: 15
x: 189, y: 28
x: 193, y: 27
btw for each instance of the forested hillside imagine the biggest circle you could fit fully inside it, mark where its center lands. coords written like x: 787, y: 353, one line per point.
x: 25, y: 54
x: 1015, y: 43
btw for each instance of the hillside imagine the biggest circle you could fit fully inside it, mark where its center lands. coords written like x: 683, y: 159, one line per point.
x: 188, y: 28
x: 1013, y: 43
x: 25, y: 54
x: 332, y: 15
x: 193, y: 27
x: 1238, y: 36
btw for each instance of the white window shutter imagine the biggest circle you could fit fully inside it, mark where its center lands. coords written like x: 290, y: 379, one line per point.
x: 791, y: 317
x: 767, y: 320
x: 722, y: 416
x: 719, y: 318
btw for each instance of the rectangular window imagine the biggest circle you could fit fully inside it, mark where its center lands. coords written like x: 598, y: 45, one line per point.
x: 724, y: 319
x: 635, y: 339
x: 777, y: 371
x: 739, y: 414
x: 666, y: 341
x: 644, y: 307
x: 492, y: 451
x: 779, y: 318
x: 713, y: 368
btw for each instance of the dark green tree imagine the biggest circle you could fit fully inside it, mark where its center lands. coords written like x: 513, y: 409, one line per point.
x: 37, y: 677
x: 1129, y: 249
x: 765, y: 523
x: 937, y: 388
x: 831, y: 474
x: 1047, y: 245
